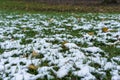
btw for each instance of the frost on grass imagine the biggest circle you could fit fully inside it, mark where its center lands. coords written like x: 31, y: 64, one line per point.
x: 37, y: 46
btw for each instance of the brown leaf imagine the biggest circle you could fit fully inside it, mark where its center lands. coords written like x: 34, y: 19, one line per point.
x: 34, y: 53
x: 91, y: 33
x: 104, y: 29
x: 63, y: 44
x: 32, y: 67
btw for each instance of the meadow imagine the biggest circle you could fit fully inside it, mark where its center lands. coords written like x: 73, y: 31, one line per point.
x: 32, y: 6
x: 59, y: 46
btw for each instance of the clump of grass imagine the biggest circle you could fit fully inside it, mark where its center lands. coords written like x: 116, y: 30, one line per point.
x: 1, y: 50
x: 98, y: 75
x: 96, y: 65
x: 117, y: 61
x: 1, y: 40
x: 111, y: 50
x: 1, y: 79
x: 15, y: 55
x: 30, y: 33
x: 24, y: 41
x: 22, y: 63
x: 108, y: 75
x: 40, y: 56
x: 44, y: 63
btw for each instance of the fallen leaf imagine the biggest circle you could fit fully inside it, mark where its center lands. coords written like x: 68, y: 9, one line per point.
x: 64, y: 42
x: 34, y: 53
x: 32, y: 67
x: 104, y: 29
x: 91, y: 33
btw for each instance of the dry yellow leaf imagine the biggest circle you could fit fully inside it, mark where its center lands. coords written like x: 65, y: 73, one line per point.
x: 104, y: 29
x: 91, y: 33
x: 32, y: 67
x: 34, y: 53
x: 63, y: 44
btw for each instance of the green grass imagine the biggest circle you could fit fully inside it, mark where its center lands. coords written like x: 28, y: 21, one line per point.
x: 24, y: 6
x: 112, y: 50
x: 1, y: 50
x: 24, y: 41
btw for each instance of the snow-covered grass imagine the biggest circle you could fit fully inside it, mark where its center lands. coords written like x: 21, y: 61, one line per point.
x: 59, y: 47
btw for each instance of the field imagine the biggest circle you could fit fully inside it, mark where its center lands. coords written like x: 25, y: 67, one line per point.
x: 29, y: 6
x: 54, y: 46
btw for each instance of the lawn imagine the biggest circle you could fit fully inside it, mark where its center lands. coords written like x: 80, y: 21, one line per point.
x: 28, y: 6
x: 54, y: 46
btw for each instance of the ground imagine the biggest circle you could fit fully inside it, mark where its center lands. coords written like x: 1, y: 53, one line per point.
x: 53, y: 46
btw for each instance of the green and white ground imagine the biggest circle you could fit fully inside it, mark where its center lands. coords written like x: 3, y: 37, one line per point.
x: 59, y: 46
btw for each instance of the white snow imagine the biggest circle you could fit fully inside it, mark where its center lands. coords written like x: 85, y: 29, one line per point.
x: 93, y: 49
x: 70, y: 45
x: 19, y: 77
x: 62, y: 72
